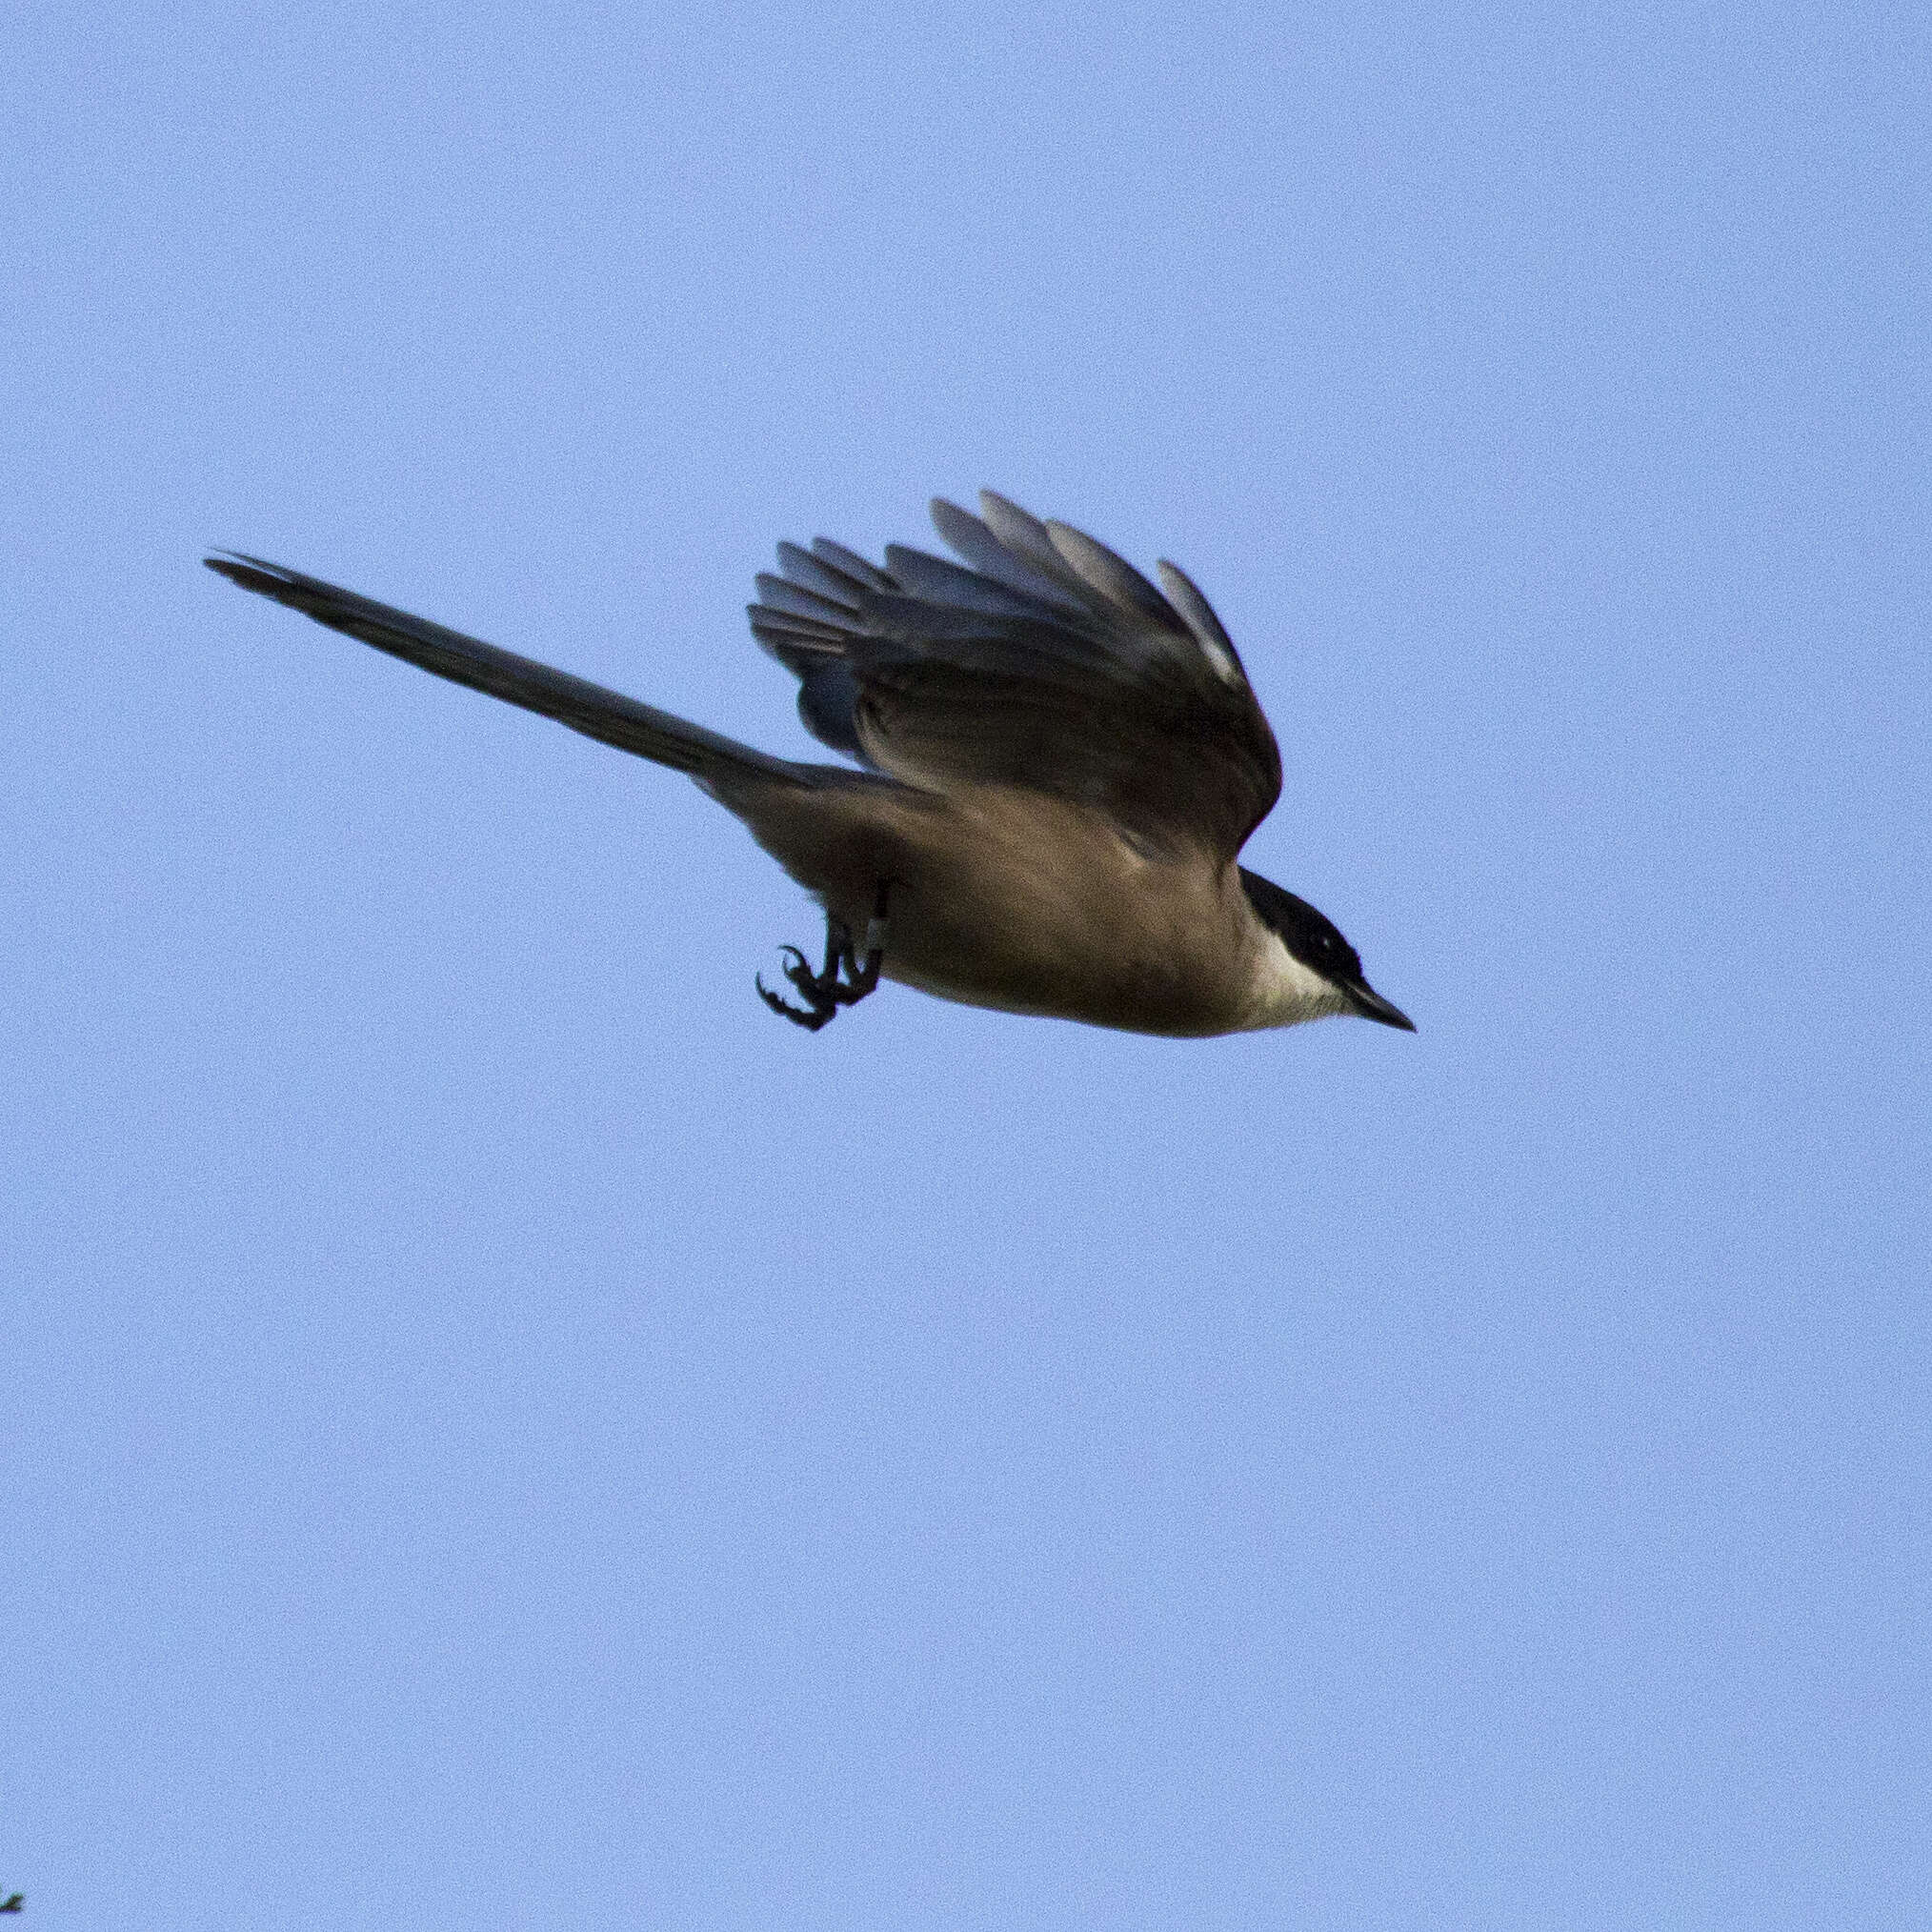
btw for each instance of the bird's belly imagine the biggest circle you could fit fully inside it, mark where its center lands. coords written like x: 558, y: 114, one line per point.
x: 1146, y: 1008
x: 1109, y: 951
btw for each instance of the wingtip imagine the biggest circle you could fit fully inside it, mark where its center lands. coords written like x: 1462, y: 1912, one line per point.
x: 1018, y: 530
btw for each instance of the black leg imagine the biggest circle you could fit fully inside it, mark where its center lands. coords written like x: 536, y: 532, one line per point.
x: 862, y: 974
x: 843, y: 980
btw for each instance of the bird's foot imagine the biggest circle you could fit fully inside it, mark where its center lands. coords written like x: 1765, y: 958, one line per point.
x: 843, y: 980
x: 820, y: 991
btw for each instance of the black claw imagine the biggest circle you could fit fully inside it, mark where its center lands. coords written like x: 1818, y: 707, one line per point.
x: 811, y: 1019
x: 841, y: 981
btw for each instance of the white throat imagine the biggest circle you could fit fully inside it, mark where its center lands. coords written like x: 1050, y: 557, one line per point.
x: 1286, y: 992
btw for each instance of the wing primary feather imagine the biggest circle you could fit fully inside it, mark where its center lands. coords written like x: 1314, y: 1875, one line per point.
x: 965, y: 534
x: 853, y: 564
x: 781, y: 625
x: 779, y: 593
x: 814, y: 574
x: 1199, y: 614
x: 1027, y: 537
x: 1111, y: 576
x: 921, y: 575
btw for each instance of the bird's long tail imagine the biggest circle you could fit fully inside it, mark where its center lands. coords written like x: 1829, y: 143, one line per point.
x: 607, y: 716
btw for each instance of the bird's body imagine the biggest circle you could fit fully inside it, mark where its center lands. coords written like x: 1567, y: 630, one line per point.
x: 1031, y: 905
x: 1062, y: 766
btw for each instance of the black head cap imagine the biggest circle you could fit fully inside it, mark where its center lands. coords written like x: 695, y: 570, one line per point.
x: 1316, y: 941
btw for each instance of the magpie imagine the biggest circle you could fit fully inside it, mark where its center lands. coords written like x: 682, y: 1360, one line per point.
x: 1053, y: 767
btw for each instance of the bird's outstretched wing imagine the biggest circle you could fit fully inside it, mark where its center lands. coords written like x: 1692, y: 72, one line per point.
x: 1051, y: 663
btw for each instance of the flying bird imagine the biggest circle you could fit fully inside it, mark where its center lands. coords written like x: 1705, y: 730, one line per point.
x: 1055, y: 766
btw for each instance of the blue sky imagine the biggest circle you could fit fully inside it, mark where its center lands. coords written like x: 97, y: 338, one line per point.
x: 499, y: 1430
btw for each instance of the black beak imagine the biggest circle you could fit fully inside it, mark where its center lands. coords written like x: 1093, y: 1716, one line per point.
x: 1371, y: 1005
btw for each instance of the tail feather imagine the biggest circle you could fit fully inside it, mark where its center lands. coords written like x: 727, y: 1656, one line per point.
x: 597, y: 713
